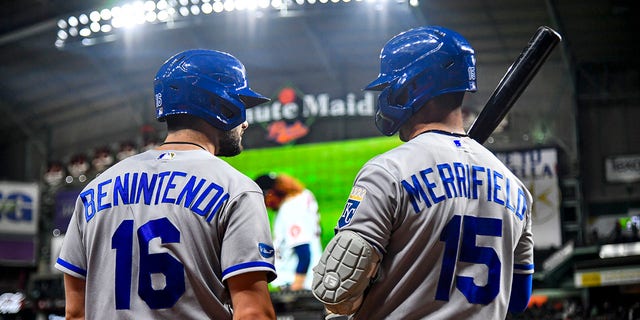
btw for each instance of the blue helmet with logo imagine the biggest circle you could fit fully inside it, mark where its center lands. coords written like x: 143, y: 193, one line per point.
x: 208, y: 84
x: 417, y: 65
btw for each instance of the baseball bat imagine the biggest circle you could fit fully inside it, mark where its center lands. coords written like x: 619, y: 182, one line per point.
x: 513, y: 83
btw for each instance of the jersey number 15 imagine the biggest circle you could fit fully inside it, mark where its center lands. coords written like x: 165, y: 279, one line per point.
x: 469, y: 253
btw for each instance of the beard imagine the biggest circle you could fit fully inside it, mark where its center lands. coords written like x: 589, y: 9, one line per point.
x: 404, y: 134
x: 230, y: 143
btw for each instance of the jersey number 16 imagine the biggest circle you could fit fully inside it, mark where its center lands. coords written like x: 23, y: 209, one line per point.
x: 149, y: 263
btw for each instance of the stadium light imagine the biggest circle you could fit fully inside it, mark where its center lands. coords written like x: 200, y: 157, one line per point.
x: 97, y: 26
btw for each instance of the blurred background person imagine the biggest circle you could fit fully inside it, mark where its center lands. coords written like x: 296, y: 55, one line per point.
x: 296, y: 229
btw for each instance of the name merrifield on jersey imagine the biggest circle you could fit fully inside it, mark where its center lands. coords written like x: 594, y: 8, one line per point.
x: 453, y: 180
x: 203, y: 197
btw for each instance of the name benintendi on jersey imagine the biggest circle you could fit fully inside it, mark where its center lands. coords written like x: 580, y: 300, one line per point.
x: 174, y: 187
x: 453, y: 180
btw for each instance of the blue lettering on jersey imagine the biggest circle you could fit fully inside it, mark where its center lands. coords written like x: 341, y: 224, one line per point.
x: 453, y: 180
x: 266, y: 251
x: 146, y: 187
x: 203, y: 197
x: 416, y: 193
x: 121, y: 189
x: 88, y: 203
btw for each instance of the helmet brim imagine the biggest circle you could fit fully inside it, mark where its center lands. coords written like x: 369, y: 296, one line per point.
x: 251, y: 98
x: 379, y: 84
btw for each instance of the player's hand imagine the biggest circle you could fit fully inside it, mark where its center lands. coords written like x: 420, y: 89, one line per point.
x: 298, y: 282
x: 333, y: 316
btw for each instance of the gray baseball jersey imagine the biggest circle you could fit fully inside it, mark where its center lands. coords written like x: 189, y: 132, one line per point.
x: 156, y: 235
x: 452, y: 224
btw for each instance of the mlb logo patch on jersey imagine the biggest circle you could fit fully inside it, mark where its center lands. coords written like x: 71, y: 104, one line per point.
x: 355, y: 197
x: 266, y: 250
x: 167, y: 156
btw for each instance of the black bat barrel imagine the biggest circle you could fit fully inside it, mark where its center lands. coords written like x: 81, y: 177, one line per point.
x: 513, y: 83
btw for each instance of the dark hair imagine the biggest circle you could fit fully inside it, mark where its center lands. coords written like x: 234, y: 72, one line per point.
x: 266, y: 181
x: 449, y: 100
x: 184, y: 121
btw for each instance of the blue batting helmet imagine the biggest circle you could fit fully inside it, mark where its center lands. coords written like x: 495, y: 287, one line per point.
x: 208, y: 84
x: 417, y: 65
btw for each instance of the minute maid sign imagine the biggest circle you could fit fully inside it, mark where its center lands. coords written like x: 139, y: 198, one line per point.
x: 291, y: 114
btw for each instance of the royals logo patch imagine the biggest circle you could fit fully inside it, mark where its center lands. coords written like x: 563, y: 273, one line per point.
x: 355, y: 197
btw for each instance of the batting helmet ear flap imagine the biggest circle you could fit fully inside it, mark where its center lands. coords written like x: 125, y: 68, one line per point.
x: 389, y: 115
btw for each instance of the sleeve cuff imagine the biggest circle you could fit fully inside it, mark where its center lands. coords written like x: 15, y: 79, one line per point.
x: 251, y: 266
x: 70, y: 269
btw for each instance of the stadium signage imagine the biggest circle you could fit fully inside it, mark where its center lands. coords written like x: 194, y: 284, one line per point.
x: 622, y: 169
x: 321, y: 105
x: 19, y: 204
x: 290, y: 115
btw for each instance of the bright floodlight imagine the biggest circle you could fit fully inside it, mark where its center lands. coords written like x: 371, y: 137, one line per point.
x: 95, y: 27
x: 106, y: 28
x: 207, y: 8
x: 85, y: 32
x: 105, y: 14
x: 250, y: 4
x: 136, y: 12
x: 83, y: 18
x: 151, y: 16
x: 94, y: 16
x: 128, y: 15
x: 218, y: 7
x: 229, y: 5
x: 73, y: 21
x: 149, y: 5
x: 161, y: 5
x: 163, y: 15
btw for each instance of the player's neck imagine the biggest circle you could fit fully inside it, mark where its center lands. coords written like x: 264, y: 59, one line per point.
x: 435, y: 126
x: 187, y: 139
x: 432, y: 117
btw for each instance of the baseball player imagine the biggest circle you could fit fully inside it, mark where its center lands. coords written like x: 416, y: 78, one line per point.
x: 437, y: 228
x: 175, y: 232
x: 296, y: 230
